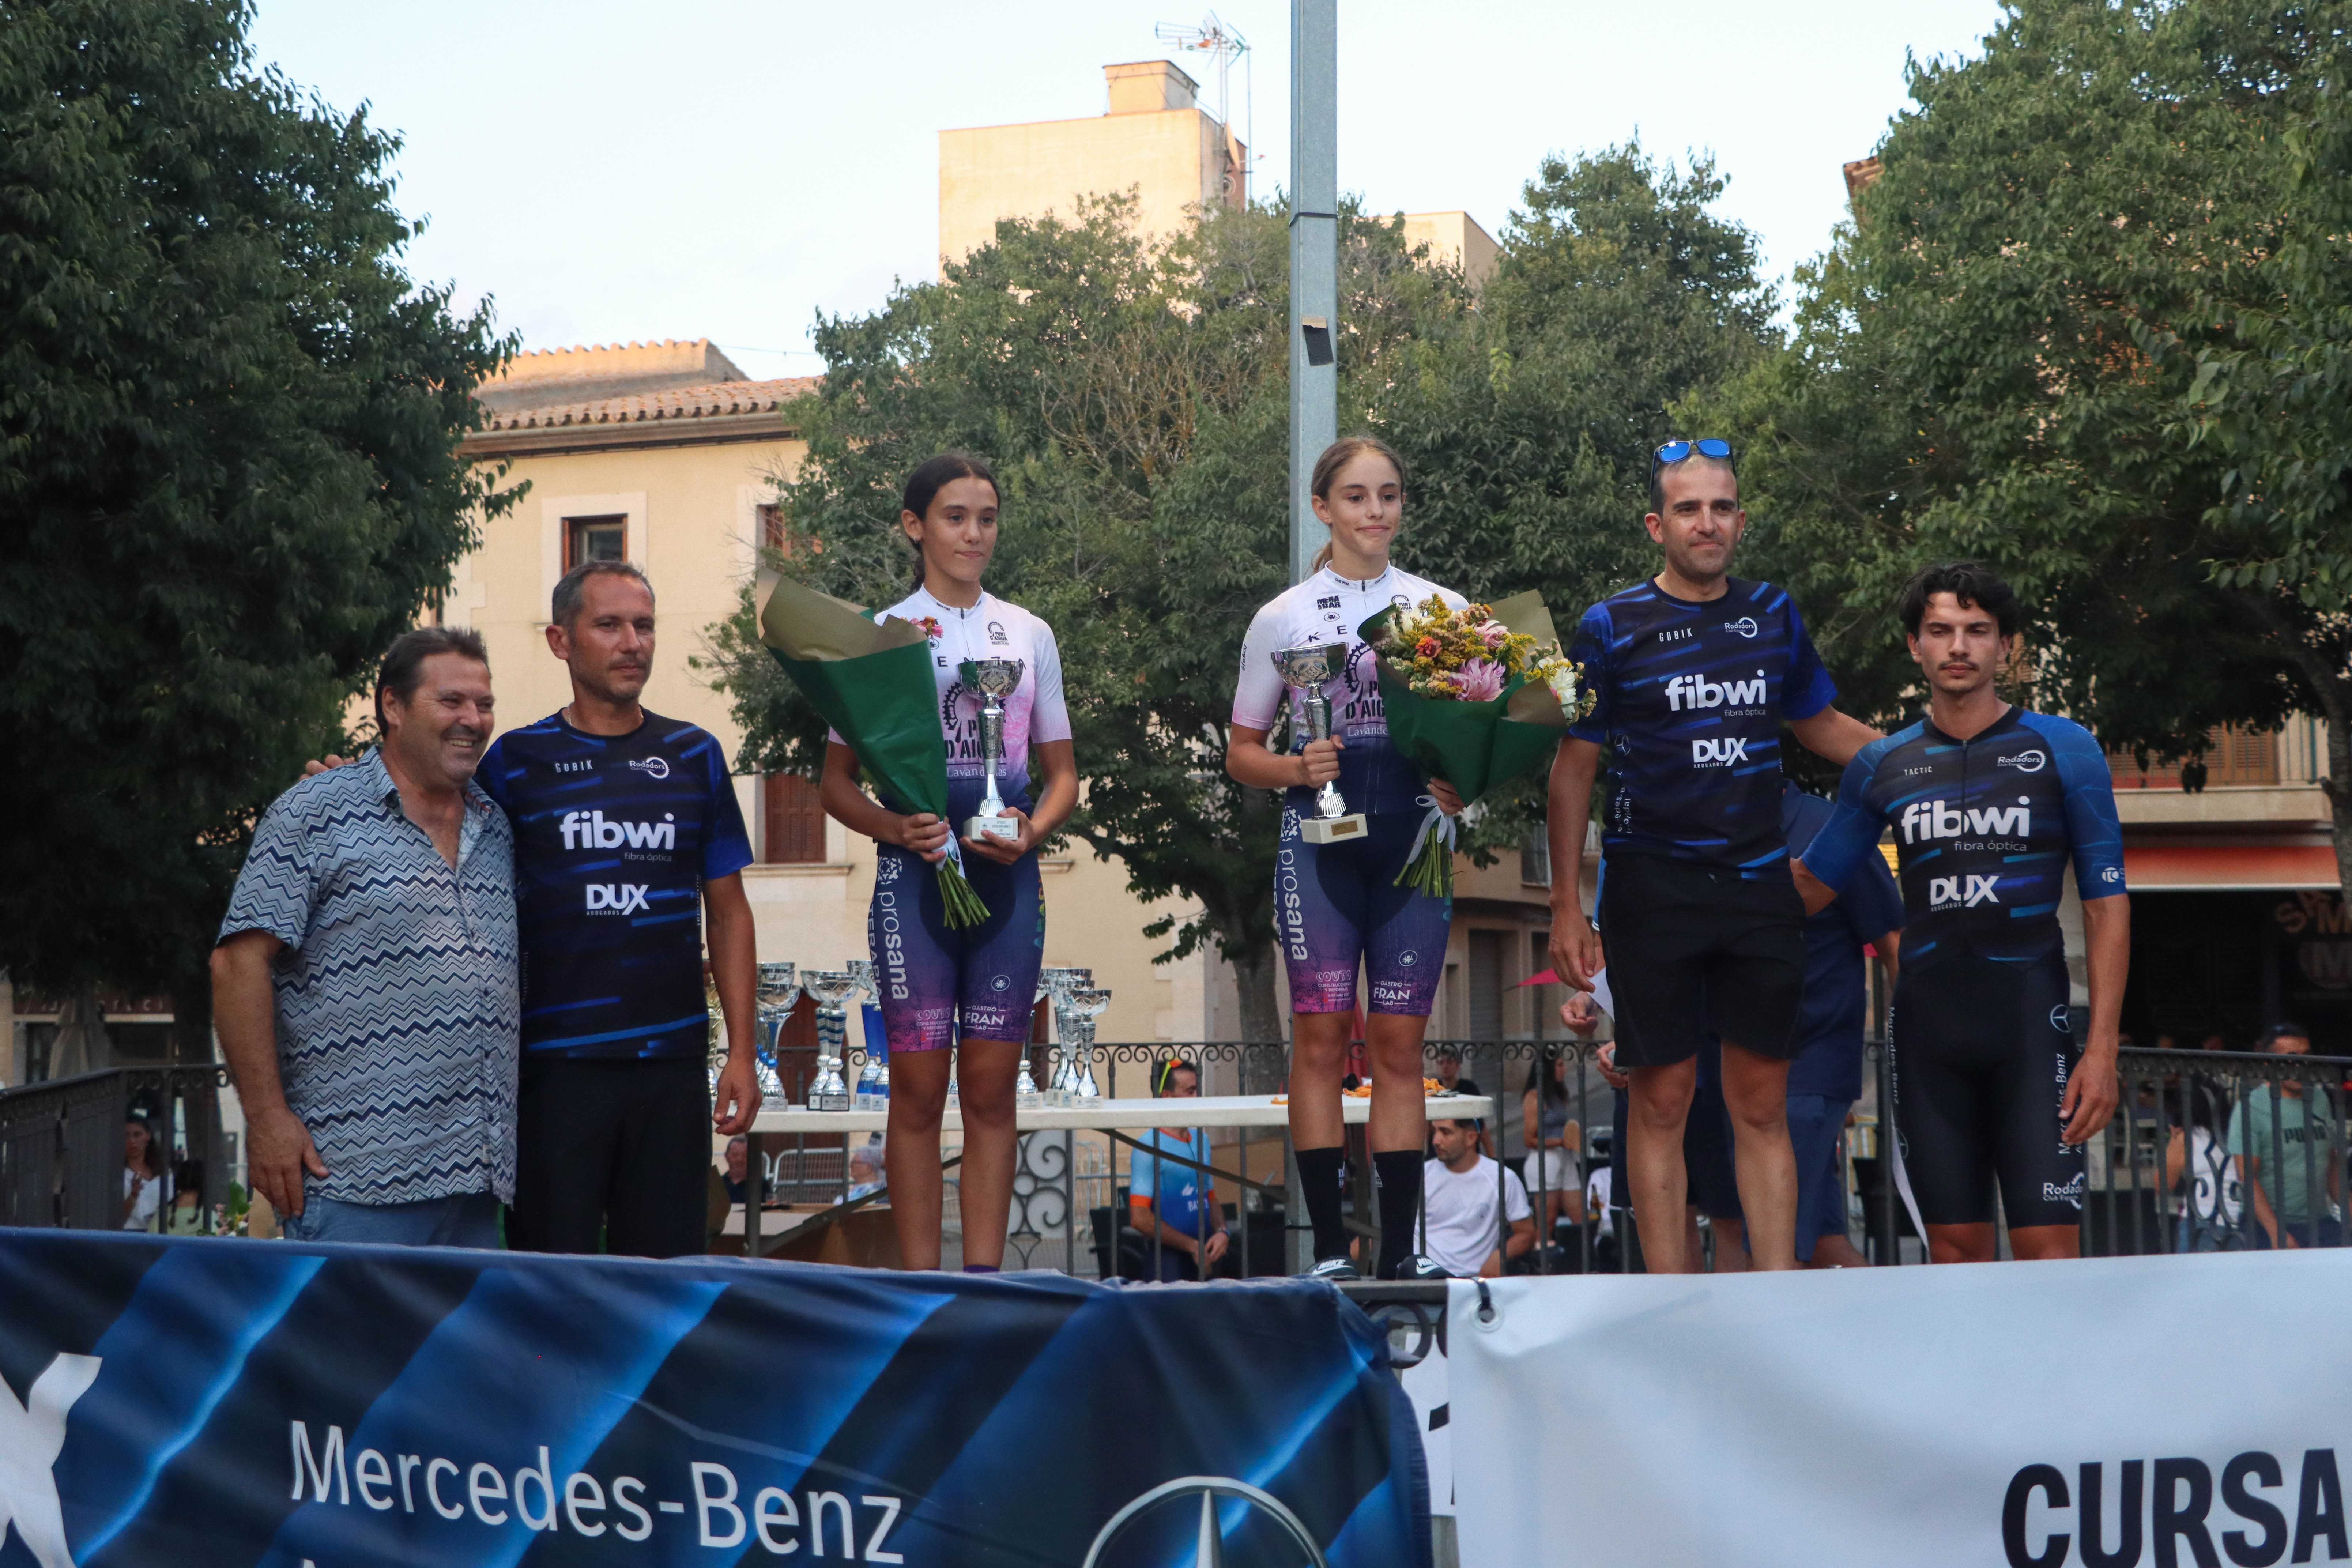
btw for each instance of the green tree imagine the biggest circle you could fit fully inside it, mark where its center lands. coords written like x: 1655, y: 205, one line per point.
x: 1995, y: 359
x: 228, y: 425
x: 1132, y: 396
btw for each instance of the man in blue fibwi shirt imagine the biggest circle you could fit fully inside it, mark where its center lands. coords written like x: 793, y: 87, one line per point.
x: 628, y: 838
x: 1988, y: 803
x: 1693, y: 673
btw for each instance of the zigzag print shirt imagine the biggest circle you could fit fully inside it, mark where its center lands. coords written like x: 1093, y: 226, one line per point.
x: 398, y: 1005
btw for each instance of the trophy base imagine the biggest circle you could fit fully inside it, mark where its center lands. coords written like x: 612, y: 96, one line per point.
x: 1332, y: 829
x: 1005, y: 828
x: 829, y: 1103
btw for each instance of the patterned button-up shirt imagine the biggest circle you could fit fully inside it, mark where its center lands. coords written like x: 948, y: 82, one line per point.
x: 398, y: 1005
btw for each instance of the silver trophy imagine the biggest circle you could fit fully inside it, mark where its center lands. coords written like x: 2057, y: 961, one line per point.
x: 1087, y: 1004
x: 1304, y: 669
x: 833, y: 988
x: 874, y: 1077
x: 779, y: 993
x: 995, y: 680
x: 1058, y: 984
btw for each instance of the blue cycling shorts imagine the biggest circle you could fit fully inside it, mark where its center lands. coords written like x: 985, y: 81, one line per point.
x: 932, y: 977
x: 1336, y: 905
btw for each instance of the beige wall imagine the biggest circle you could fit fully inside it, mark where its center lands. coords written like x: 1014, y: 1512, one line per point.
x: 1174, y: 160
x: 1455, y: 239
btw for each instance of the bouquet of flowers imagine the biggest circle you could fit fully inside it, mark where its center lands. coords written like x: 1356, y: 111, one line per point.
x: 1477, y: 697
x: 872, y: 682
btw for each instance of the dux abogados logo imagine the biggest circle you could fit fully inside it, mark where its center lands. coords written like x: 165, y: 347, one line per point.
x: 31, y: 1434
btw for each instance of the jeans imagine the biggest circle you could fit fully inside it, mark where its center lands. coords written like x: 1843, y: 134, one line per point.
x: 463, y: 1219
x: 2306, y: 1233
x: 1817, y: 1134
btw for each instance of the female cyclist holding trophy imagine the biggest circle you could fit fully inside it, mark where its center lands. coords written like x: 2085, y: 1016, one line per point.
x: 1011, y: 782
x: 1352, y: 808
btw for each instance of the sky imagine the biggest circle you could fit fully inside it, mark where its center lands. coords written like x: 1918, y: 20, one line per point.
x: 608, y: 173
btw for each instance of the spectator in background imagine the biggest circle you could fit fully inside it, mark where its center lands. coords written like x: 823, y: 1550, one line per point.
x: 1464, y: 1235
x: 145, y: 1186
x: 1177, y: 1203
x: 364, y: 984
x: 866, y: 1176
x: 2282, y: 1137
x: 739, y: 1168
x: 1553, y: 1143
x: 1449, y: 1072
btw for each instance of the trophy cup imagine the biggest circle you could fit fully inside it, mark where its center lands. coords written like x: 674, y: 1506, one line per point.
x: 833, y: 988
x: 780, y: 993
x: 874, y: 1077
x: 1058, y: 984
x: 1304, y: 669
x: 994, y: 679
x: 1087, y: 1004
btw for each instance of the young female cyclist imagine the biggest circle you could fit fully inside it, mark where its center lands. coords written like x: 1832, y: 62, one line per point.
x: 1338, y: 903
x: 933, y: 977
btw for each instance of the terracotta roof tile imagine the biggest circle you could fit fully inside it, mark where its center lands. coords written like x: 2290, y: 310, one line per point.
x: 675, y: 403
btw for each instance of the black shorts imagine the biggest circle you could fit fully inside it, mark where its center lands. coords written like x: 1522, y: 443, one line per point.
x: 1696, y: 952
x: 1981, y: 1052
x: 616, y: 1151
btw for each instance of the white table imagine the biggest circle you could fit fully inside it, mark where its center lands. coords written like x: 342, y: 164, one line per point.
x: 1200, y: 1110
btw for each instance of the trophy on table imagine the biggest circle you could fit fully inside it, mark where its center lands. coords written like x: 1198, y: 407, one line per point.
x: 833, y: 988
x: 995, y: 680
x: 1304, y: 669
x: 1087, y: 1004
x: 874, y: 1077
x: 1058, y: 984
x: 779, y: 993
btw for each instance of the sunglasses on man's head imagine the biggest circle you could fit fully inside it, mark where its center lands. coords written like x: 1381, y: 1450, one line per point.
x: 1674, y: 452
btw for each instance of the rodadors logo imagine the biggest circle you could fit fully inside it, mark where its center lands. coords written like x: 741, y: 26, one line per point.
x: 2029, y: 762
x: 829, y: 1523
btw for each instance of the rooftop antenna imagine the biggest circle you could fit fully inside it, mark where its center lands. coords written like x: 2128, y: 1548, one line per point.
x: 1218, y: 39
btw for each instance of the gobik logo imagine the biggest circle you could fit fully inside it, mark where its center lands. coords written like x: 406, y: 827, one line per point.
x: 1697, y: 691
x: 593, y: 830
x: 31, y: 1435
x: 1962, y: 892
x: 1718, y: 753
x: 621, y: 898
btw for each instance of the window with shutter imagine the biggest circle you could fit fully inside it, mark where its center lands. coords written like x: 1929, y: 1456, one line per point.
x: 794, y: 825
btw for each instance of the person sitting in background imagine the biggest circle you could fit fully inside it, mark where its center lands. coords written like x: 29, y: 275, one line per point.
x: 866, y: 1176
x: 1465, y: 1234
x: 739, y: 1168
x: 1177, y: 1203
x: 1449, y: 1072
x: 1550, y: 1165
x: 144, y: 1183
x: 2283, y: 1136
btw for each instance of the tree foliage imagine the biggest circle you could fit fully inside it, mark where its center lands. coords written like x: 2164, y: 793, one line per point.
x: 227, y: 466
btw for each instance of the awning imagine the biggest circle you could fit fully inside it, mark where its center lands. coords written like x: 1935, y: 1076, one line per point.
x: 2229, y: 867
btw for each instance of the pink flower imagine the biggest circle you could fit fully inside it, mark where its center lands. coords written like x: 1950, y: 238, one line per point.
x: 1495, y: 634
x: 1479, y: 681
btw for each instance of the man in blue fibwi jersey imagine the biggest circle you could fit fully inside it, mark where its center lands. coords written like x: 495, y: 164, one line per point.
x: 628, y: 839
x: 1988, y: 803
x: 1693, y: 673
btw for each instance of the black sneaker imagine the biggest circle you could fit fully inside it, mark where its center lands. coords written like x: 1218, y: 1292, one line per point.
x: 1331, y: 1270
x: 1416, y: 1268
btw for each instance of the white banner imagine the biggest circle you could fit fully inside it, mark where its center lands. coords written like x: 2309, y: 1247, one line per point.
x: 2166, y: 1411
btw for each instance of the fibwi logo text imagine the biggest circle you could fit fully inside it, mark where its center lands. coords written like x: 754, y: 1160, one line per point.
x: 1924, y: 819
x: 1697, y: 691
x: 595, y: 830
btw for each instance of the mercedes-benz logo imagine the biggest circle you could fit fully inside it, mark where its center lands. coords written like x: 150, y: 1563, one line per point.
x: 1210, y: 1552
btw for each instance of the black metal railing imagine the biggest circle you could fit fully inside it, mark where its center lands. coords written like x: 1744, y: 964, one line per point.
x: 61, y: 1146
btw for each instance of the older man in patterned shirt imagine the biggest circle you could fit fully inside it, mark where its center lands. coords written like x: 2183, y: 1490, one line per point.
x: 365, y: 986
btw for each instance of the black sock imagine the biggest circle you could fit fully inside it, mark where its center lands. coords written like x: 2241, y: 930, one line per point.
x: 1319, y: 1180
x: 1399, y: 1171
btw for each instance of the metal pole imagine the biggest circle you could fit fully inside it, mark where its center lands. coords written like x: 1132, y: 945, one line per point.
x: 1314, y: 263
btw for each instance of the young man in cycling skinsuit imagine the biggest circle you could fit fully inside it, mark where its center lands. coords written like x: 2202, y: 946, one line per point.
x: 1989, y: 803
x: 1694, y: 672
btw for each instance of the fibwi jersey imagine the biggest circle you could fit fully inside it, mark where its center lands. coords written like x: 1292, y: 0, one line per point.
x: 1983, y: 828
x: 1328, y: 608
x: 1689, y: 697
x: 1035, y: 712
x: 614, y: 835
